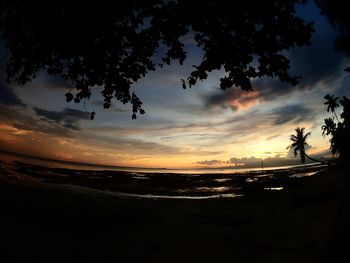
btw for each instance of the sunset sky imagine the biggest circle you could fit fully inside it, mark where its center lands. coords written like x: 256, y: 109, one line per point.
x: 199, y: 127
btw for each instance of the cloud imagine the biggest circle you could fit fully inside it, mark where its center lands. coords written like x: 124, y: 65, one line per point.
x: 343, y: 88
x: 245, y: 160
x: 294, y: 113
x: 235, y: 162
x: 51, y: 82
x: 253, y: 162
x: 68, y: 118
x: 8, y: 96
x: 58, y: 125
x: 24, y: 122
x: 210, y: 162
x: 271, y: 162
x: 320, y: 61
x: 99, y: 103
x: 141, y: 146
x: 316, y: 63
x: 233, y: 98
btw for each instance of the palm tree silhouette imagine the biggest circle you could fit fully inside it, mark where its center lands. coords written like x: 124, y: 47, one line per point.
x: 332, y: 103
x: 329, y: 127
x: 299, y: 143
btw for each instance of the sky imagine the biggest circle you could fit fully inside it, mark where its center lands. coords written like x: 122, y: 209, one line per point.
x: 193, y: 128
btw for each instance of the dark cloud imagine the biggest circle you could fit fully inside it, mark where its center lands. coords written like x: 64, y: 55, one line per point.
x: 316, y: 63
x: 53, y: 124
x: 343, y: 89
x: 210, y: 162
x: 8, y: 96
x: 51, y: 82
x: 233, y: 98
x: 294, y: 113
x: 56, y: 82
x: 21, y: 121
x: 99, y: 103
x: 272, y: 89
x: 59, y: 116
x: 68, y: 118
x: 320, y: 61
x: 218, y: 98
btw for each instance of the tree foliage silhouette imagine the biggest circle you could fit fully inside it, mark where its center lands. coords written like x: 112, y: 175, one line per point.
x: 332, y: 104
x: 340, y: 131
x: 337, y: 13
x: 298, y: 144
x: 109, y: 45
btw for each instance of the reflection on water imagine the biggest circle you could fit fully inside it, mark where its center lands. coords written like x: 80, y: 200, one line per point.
x: 150, y: 196
x: 250, y: 180
x: 273, y: 188
x: 212, y: 189
x: 133, y: 182
x: 264, y: 175
x: 221, y: 180
x: 298, y: 175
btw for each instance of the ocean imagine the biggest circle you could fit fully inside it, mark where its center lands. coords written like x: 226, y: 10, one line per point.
x: 10, y: 156
x: 151, y: 182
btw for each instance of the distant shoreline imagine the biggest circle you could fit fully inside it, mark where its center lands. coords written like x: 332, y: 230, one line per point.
x: 155, y: 184
x: 82, y: 165
x: 73, y: 163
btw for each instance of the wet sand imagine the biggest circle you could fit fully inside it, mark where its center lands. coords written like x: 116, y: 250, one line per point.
x: 62, y: 215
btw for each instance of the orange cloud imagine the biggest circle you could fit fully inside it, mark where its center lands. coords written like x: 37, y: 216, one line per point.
x: 245, y: 101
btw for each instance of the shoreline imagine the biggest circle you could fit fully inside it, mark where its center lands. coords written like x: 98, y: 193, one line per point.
x: 55, y: 163
x: 158, y: 185
x: 55, y: 222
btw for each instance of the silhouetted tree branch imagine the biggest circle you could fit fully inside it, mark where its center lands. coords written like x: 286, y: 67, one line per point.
x: 110, y: 45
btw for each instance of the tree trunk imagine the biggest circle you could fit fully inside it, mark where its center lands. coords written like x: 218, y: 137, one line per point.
x: 336, y: 116
x: 312, y: 159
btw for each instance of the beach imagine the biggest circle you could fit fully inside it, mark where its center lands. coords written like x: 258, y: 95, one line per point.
x: 65, y: 215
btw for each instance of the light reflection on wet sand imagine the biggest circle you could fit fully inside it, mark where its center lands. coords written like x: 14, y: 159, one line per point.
x: 154, y: 185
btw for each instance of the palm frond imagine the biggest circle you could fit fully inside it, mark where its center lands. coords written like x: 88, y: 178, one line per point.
x: 298, y: 143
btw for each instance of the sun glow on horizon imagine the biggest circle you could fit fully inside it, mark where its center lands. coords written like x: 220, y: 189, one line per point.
x: 186, y: 148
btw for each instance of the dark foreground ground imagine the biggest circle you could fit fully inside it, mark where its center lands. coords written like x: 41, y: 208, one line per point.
x: 66, y: 221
